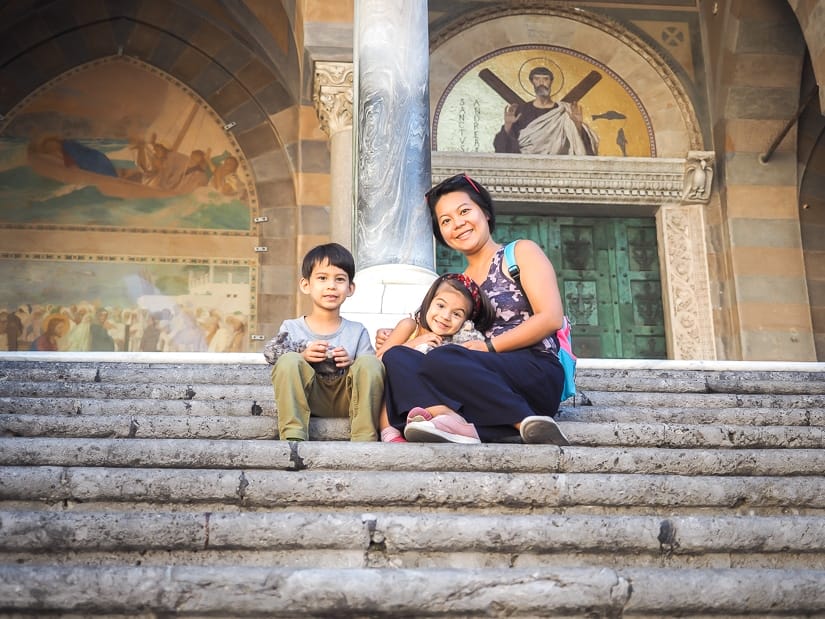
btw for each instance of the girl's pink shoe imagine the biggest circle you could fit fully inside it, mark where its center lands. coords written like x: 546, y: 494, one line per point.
x: 391, y: 435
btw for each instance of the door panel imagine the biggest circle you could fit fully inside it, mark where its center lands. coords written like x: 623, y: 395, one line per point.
x: 608, y: 275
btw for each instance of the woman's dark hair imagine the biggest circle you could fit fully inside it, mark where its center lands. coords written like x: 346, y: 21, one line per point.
x: 460, y: 182
x: 481, y: 313
x: 337, y: 255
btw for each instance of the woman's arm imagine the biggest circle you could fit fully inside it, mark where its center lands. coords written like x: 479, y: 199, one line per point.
x: 538, y: 280
x: 403, y: 330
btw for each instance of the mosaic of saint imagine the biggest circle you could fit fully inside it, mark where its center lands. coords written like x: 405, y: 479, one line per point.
x: 541, y: 100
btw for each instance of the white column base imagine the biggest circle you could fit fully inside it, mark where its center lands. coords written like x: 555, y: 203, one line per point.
x: 385, y: 294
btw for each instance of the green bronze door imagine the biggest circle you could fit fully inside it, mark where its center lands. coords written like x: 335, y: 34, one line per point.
x: 608, y: 272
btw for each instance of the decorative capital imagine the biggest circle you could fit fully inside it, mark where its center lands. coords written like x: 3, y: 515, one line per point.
x: 332, y: 95
x: 698, y: 176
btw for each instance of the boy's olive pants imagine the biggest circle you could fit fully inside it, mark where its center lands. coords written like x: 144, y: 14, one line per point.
x: 299, y: 392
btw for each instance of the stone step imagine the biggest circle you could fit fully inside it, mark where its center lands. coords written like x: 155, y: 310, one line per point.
x: 98, y: 406
x: 151, y: 486
x: 752, y: 416
x: 464, y: 490
x: 245, y: 395
x: 335, y: 456
x: 128, y: 391
x: 262, y: 427
x: 403, y: 540
x: 250, y: 369
x: 388, y: 592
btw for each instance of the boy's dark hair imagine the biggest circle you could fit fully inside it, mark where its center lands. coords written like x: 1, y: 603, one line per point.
x: 460, y: 182
x: 481, y: 313
x: 337, y: 255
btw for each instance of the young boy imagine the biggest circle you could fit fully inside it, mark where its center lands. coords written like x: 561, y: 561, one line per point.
x: 324, y: 364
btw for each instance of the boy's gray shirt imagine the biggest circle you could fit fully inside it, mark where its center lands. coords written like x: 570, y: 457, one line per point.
x: 295, y: 334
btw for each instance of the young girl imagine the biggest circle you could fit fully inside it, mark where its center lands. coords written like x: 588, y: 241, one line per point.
x: 452, y: 300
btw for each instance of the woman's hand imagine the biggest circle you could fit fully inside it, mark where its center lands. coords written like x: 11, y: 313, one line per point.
x: 475, y: 345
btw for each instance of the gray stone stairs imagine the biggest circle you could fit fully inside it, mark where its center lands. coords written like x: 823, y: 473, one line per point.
x: 151, y: 486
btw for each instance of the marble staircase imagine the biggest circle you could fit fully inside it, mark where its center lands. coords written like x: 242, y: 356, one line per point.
x: 152, y: 485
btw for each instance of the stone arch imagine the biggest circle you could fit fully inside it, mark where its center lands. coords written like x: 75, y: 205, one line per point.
x: 225, y: 56
x: 673, y: 116
x: 809, y: 15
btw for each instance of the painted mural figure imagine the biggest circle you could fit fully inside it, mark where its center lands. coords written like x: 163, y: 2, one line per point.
x: 225, y: 178
x: 159, y: 166
x: 544, y: 126
x: 55, y: 326
x: 76, y: 155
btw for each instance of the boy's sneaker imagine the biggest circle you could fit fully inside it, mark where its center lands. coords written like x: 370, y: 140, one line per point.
x: 538, y: 429
x: 442, y: 429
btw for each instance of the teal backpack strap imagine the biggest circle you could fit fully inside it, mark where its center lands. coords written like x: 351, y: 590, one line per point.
x: 510, y: 260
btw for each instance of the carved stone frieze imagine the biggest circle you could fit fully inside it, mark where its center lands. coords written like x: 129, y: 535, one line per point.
x: 698, y: 176
x: 566, y: 179
x: 332, y: 95
x: 685, y: 282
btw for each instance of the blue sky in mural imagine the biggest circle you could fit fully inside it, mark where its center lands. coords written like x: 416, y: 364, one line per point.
x: 29, y: 197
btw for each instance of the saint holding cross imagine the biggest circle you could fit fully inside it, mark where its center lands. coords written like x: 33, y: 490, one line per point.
x: 544, y: 126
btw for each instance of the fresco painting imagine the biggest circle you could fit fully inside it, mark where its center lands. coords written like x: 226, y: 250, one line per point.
x: 125, y: 304
x: 116, y: 143
x: 544, y: 100
x: 118, y: 146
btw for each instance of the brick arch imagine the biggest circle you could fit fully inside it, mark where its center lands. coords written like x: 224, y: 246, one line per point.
x: 224, y: 58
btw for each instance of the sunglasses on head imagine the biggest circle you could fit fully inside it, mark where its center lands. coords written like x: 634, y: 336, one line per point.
x: 451, y: 180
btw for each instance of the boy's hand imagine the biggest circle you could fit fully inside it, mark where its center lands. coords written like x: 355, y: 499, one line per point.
x: 340, y: 356
x: 315, y: 352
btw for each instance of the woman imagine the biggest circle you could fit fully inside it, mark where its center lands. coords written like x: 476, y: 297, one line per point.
x: 492, y: 390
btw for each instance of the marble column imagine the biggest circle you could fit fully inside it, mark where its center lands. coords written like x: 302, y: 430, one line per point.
x: 394, y: 247
x: 332, y: 96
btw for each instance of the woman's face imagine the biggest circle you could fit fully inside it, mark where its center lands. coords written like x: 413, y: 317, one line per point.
x: 462, y: 222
